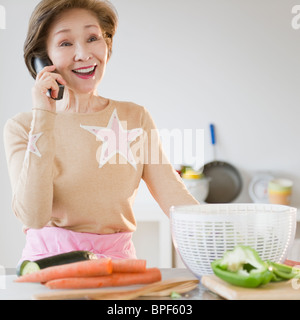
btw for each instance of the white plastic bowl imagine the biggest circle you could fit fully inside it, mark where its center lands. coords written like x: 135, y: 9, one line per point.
x: 199, y: 188
x: 202, y: 233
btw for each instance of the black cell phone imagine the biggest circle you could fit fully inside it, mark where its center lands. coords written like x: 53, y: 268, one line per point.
x: 39, y: 64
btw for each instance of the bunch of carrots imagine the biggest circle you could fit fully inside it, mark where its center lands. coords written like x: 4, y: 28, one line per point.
x: 103, y: 272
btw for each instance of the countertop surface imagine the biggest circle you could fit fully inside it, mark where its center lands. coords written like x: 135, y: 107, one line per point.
x: 10, y: 290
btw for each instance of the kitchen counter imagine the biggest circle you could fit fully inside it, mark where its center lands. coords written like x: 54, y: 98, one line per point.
x: 11, y: 290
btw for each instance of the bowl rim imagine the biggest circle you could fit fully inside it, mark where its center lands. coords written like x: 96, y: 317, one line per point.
x: 239, y: 208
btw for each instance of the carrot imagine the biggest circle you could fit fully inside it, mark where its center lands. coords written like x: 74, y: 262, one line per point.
x: 87, y: 268
x: 113, y: 280
x: 291, y: 263
x: 129, y: 265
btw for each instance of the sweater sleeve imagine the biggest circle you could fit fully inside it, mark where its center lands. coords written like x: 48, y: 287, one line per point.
x: 162, y: 180
x: 30, y: 158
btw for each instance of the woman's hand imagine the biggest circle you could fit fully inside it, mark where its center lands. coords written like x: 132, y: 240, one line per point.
x: 46, y: 80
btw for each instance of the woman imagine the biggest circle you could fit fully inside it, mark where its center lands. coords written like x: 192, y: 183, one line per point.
x: 75, y: 164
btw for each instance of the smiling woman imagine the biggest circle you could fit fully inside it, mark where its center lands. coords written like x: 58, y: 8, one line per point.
x: 73, y: 173
x: 47, y: 11
x: 77, y: 48
x: 77, y: 37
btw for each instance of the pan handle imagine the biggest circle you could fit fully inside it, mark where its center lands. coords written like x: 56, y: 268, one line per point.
x: 212, y: 133
x: 213, y: 139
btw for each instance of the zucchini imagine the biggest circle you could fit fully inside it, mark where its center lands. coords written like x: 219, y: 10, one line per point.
x: 27, y: 266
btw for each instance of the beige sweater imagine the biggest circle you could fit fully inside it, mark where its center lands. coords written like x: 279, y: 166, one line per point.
x: 82, y: 171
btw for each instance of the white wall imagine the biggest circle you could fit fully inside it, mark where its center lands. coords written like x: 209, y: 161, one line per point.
x: 234, y: 63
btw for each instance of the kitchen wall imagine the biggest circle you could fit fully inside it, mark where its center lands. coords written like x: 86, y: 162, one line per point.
x: 234, y: 63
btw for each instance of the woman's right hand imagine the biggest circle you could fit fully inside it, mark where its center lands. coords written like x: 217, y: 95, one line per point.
x: 45, y: 80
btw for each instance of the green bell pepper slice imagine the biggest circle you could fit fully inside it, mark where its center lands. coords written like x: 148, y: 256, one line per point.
x: 283, y: 272
x: 242, y: 267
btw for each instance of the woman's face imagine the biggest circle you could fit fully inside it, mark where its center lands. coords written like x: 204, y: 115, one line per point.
x: 77, y: 48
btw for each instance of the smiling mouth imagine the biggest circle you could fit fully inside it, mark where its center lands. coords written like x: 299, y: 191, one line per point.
x: 87, y: 71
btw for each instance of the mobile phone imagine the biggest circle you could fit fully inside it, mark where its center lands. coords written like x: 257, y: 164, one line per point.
x: 39, y: 64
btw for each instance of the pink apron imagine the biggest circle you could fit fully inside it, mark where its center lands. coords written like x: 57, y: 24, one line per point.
x: 49, y: 241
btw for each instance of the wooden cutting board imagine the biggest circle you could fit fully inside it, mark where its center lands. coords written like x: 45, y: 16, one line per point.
x: 285, y: 290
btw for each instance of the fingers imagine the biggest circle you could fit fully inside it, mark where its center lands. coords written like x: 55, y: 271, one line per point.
x: 46, y: 82
x: 48, y: 70
x: 45, y: 71
x: 47, y: 79
x: 55, y: 91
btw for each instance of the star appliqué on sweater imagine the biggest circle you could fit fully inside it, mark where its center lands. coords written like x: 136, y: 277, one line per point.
x: 115, y: 139
x: 31, y: 147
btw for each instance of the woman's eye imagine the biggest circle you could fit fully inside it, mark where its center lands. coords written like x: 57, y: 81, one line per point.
x: 93, y: 38
x: 65, y: 44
